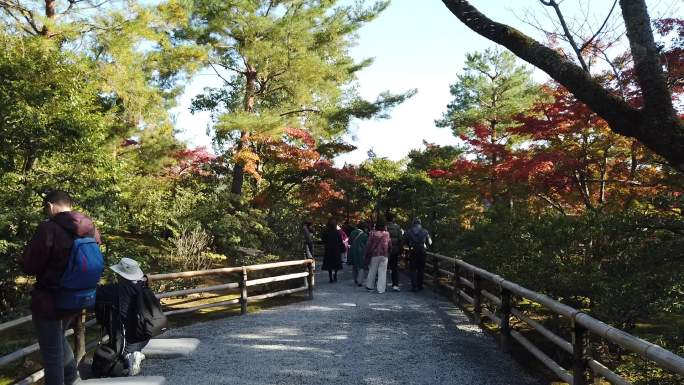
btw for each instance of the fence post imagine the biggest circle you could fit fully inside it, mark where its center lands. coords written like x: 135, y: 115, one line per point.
x: 435, y: 272
x: 79, y: 337
x: 477, y: 298
x: 505, y: 319
x: 456, y: 283
x: 243, y: 291
x: 310, y: 278
x: 579, y: 350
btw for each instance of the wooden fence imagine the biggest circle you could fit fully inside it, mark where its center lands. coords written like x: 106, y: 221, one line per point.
x: 242, y: 286
x: 464, y: 278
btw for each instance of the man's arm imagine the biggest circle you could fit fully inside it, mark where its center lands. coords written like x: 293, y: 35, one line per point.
x: 105, y: 294
x: 35, y: 255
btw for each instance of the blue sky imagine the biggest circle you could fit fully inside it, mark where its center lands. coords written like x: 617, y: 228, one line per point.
x: 416, y: 44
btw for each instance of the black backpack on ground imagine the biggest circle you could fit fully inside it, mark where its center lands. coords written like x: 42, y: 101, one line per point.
x: 147, y: 319
x: 108, y: 360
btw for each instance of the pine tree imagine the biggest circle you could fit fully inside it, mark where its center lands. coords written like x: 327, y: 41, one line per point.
x: 488, y: 96
x: 284, y: 64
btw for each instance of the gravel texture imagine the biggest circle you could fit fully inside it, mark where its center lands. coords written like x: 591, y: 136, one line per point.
x: 346, y: 335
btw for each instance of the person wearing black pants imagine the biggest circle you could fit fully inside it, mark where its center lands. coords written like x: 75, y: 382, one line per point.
x: 332, y: 258
x: 394, y: 267
x: 418, y: 239
x: 417, y: 264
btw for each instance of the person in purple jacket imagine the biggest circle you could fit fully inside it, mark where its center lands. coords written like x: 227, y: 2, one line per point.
x: 45, y: 257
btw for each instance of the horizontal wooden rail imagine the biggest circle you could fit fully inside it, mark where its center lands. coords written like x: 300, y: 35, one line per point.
x: 242, y: 285
x: 563, y: 344
x: 443, y: 257
x: 466, y: 296
x: 600, y: 370
x: 205, y: 306
x: 193, y: 274
x: 561, y: 372
x: 278, y: 293
x: 37, y: 376
x: 464, y: 281
x: 491, y: 316
x: 274, y: 265
x: 25, y: 351
x: 582, y: 322
x: 207, y: 289
x: 15, y: 322
x: 495, y: 300
x: 279, y: 278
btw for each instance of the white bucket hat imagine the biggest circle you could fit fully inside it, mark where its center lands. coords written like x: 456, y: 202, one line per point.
x: 129, y: 269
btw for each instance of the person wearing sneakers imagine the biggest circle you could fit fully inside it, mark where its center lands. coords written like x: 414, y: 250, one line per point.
x: 121, y: 295
x: 46, y: 257
x: 377, y: 251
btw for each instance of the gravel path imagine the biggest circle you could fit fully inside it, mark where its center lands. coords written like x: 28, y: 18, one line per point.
x: 344, y: 336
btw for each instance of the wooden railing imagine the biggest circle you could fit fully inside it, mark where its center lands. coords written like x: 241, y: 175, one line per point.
x: 585, y: 368
x: 241, y: 285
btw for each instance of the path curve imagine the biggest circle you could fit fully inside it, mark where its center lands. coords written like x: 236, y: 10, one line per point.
x: 344, y: 336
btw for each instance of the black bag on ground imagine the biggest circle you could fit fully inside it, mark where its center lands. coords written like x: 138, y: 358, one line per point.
x: 108, y: 360
x: 148, y: 319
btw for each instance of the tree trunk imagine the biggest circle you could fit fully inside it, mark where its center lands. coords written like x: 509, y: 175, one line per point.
x: 634, y: 164
x: 657, y: 125
x: 239, y: 168
x: 494, y: 161
x: 50, y: 13
x: 604, y: 170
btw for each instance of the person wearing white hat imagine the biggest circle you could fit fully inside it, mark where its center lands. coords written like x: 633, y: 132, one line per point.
x: 122, y: 294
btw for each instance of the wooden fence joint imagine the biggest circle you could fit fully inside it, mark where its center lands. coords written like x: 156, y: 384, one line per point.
x: 579, y: 354
x: 79, y: 337
x: 435, y: 273
x: 310, y: 278
x: 457, y: 285
x: 243, y: 291
x: 477, y: 298
x: 505, y: 319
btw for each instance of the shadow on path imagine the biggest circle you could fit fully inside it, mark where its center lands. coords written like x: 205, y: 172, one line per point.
x: 344, y: 336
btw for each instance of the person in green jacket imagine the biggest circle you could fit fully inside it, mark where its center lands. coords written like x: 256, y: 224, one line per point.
x: 358, y: 239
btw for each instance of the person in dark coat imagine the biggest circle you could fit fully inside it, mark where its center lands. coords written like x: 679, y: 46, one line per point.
x: 46, y: 257
x: 120, y: 297
x: 334, y: 247
x: 418, y: 239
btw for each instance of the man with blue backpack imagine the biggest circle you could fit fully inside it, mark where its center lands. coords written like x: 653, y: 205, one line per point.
x: 65, y: 258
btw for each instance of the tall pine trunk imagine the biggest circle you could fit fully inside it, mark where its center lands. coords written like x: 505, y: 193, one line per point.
x: 239, y: 168
x: 50, y: 13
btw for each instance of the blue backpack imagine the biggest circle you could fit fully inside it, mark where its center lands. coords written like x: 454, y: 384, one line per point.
x: 80, y: 278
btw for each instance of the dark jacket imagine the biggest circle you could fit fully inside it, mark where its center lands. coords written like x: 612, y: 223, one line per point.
x: 417, y: 239
x: 332, y: 259
x: 47, y: 255
x: 120, y: 297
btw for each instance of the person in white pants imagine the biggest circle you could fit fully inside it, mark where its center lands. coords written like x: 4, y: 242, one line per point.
x: 378, y: 266
x: 377, y: 252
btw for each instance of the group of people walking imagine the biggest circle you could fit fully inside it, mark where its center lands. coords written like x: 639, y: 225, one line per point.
x: 370, y: 249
